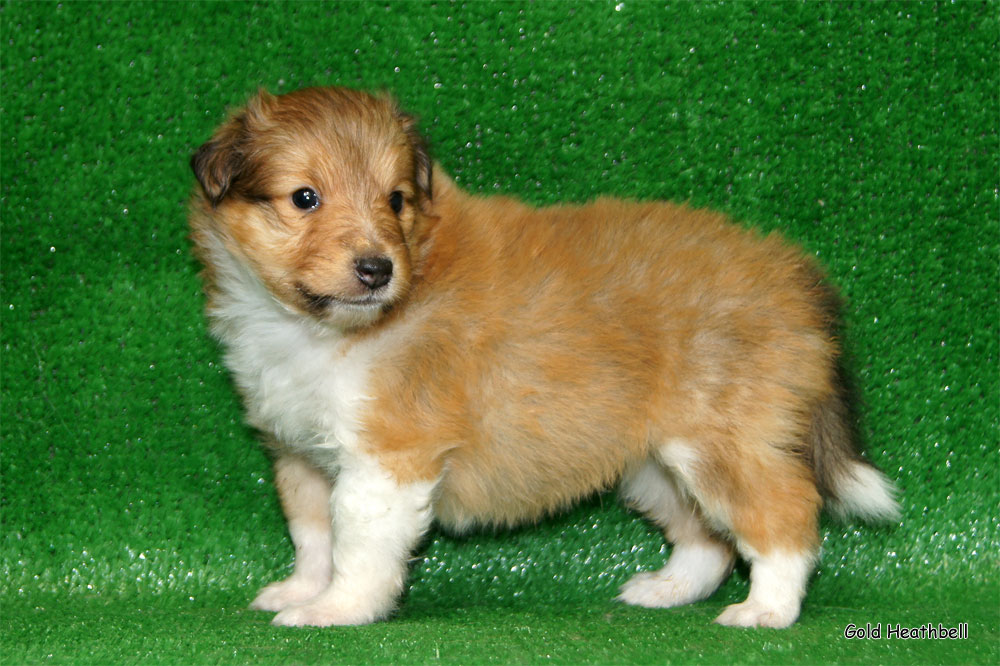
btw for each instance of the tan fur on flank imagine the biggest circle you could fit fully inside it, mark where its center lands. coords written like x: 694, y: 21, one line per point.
x: 517, y: 360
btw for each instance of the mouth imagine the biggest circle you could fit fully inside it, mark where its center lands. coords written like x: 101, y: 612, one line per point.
x: 318, y: 303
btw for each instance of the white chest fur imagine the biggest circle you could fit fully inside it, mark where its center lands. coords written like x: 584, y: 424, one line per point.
x: 301, y: 382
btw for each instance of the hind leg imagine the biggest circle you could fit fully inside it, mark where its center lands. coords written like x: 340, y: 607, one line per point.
x: 777, y: 535
x: 776, y: 532
x: 777, y: 586
x: 766, y: 499
x: 699, y: 561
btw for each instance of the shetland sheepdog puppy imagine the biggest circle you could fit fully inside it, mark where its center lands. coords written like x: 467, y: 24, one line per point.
x: 413, y: 353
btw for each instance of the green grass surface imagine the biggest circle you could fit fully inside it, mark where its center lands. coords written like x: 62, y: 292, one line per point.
x: 138, y: 519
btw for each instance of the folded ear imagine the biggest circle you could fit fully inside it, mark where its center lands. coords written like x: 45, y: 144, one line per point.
x: 422, y: 165
x: 219, y: 161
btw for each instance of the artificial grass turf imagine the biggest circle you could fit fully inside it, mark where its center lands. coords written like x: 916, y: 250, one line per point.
x: 138, y: 519
x: 598, y: 632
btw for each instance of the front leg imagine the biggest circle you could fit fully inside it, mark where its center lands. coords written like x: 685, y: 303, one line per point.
x: 305, y: 498
x: 377, y: 522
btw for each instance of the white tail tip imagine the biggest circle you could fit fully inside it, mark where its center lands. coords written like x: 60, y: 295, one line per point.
x: 864, y: 492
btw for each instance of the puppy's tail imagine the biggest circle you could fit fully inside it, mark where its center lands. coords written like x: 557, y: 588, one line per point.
x: 850, y: 485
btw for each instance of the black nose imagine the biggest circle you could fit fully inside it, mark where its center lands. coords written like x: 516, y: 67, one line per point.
x: 374, y: 272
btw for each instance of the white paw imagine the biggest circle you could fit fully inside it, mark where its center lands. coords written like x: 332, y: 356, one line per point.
x: 289, y: 592
x: 755, y: 614
x: 319, y: 613
x: 656, y: 590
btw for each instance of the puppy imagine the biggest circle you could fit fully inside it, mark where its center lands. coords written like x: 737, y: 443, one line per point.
x: 416, y: 353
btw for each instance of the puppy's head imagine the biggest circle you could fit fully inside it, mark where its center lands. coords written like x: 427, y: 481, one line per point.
x: 320, y: 192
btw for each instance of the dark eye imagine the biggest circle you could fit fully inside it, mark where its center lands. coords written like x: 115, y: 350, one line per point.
x: 396, y: 201
x: 306, y: 198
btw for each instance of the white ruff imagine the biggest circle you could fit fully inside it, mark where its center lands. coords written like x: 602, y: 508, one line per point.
x: 295, y: 374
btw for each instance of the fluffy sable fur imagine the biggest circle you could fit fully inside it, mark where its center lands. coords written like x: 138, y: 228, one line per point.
x: 417, y: 353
